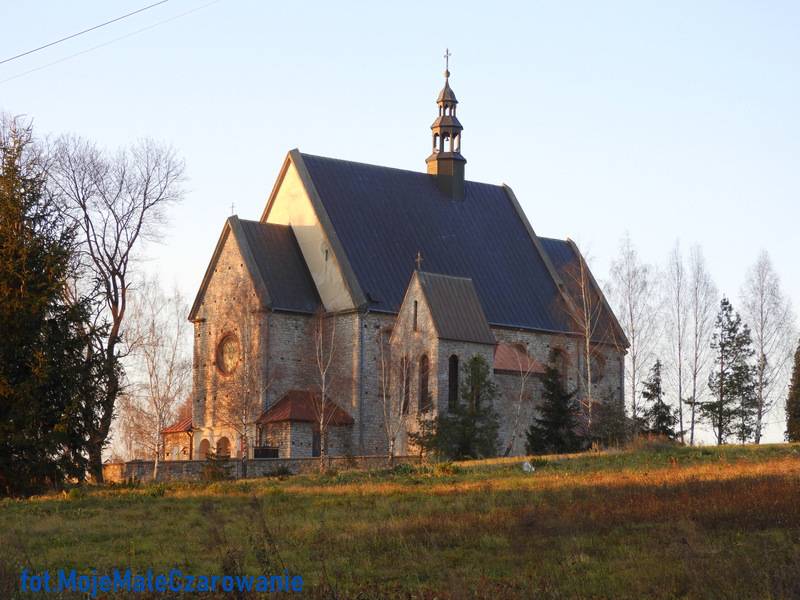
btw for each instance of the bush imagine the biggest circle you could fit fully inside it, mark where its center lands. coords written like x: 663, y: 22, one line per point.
x: 281, y: 471
x: 78, y: 493
x: 403, y: 469
x: 213, y: 470
x: 446, y: 468
x: 156, y: 490
x: 653, y: 443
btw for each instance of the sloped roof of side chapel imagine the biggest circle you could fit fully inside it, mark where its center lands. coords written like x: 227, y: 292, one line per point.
x: 273, y: 259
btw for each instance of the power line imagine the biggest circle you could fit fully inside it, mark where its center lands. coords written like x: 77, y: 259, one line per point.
x: 74, y: 35
x: 109, y: 42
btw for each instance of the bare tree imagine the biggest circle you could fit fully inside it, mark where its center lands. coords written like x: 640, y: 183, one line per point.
x: 768, y: 313
x: 159, y: 365
x: 324, y: 352
x: 633, y: 290
x: 391, y: 370
x: 586, y: 307
x: 525, y: 367
x: 676, y: 309
x: 115, y: 201
x: 703, y: 300
x: 243, y: 401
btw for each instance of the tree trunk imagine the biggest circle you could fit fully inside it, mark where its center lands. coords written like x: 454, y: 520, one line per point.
x: 98, y: 439
x: 96, y: 462
x: 391, y: 451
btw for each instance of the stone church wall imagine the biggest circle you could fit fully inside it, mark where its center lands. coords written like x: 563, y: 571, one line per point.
x: 230, y: 307
x: 414, y: 343
x: 607, y: 379
x: 290, y: 358
x: 282, y: 346
x: 373, y: 431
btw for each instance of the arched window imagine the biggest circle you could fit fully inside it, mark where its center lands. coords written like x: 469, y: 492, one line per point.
x: 424, y: 394
x: 205, y: 448
x: 452, y: 382
x: 416, y: 311
x: 223, y: 447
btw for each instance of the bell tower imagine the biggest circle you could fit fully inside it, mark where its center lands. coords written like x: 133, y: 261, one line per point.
x: 446, y: 162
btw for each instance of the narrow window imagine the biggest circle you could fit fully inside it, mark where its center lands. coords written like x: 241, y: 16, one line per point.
x: 405, y: 382
x: 415, y: 315
x: 316, y: 443
x: 424, y: 396
x: 452, y: 383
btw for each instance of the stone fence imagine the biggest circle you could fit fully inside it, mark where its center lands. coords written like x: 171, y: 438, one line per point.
x: 193, y: 470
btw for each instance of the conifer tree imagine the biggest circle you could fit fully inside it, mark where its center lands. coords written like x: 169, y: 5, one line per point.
x: 554, y: 430
x: 658, y: 414
x: 733, y: 407
x: 793, y: 402
x: 469, y: 429
x: 611, y: 426
x: 48, y: 379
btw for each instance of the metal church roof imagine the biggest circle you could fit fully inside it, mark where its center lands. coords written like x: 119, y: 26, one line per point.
x: 280, y: 262
x: 455, y: 308
x: 384, y: 216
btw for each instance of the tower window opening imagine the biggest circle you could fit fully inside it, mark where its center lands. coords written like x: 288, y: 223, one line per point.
x: 415, y: 314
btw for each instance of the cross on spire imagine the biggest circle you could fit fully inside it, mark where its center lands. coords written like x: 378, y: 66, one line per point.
x: 233, y: 208
x: 418, y: 260
x: 447, y: 56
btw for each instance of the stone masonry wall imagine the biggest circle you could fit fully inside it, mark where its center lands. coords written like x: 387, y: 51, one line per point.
x: 411, y: 342
x: 230, y: 306
x: 192, y: 470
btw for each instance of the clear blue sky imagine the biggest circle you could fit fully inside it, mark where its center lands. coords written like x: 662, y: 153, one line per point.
x: 673, y: 120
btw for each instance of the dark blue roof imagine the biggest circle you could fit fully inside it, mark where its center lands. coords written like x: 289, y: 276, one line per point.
x: 566, y: 261
x: 560, y: 253
x: 455, y: 308
x: 280, y: 262
x: 384, y: 216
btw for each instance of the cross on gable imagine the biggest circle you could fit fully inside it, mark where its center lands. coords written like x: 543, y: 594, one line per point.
x: 418, y: 260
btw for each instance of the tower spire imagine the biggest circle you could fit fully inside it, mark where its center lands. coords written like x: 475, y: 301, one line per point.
x: 445, y: 161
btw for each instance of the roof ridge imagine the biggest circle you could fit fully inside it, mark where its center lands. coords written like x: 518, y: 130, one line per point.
x: 257, y: 222
x: 423, y: 271
x: 375, y: 166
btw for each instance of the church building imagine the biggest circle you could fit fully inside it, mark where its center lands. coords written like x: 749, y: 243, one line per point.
x: 387, y: 281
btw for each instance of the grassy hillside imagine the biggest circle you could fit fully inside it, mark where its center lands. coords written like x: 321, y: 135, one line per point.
x: 668, y: 523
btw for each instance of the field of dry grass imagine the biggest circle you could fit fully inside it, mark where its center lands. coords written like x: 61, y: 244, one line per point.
x: 648, y: 523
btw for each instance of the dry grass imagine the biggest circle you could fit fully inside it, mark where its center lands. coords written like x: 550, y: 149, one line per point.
x: 664, y: 523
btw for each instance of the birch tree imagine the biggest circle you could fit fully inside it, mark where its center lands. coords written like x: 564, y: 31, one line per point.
x: 702, y: 298
x: 393, y: 375
x: 324, y: 351
x: 676, y: 310
x: 525, y: 367
x: 768, y: 313
x: 159, y: 369
x: 585, y: 309
x: 633, y: 290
